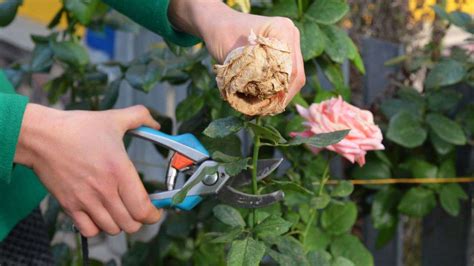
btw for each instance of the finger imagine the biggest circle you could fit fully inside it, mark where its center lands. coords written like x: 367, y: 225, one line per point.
x: 101, y: 217
x: 84, y: 224
x: 298, y: 74
x: 137, y: 116
x: 135, y: 198
x: 121, y: 215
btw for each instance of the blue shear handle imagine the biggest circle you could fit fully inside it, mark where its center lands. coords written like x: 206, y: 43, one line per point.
x: 188, y: 203
x: 188, y: 140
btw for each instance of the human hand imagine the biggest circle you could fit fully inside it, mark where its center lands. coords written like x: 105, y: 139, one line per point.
x: 80, y: 158
x: 224, y: 29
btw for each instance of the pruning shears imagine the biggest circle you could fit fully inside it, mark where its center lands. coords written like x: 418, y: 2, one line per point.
x: 207, y: 177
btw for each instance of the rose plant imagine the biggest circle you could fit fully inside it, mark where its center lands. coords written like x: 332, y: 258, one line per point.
x: 424, y: 127
x: 313, y: 225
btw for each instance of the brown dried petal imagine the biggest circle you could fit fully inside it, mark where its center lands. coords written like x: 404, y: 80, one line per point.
x: 254, y: 79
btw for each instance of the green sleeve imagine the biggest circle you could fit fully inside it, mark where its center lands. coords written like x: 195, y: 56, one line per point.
x: 12, y: 107
x: 153, y: 15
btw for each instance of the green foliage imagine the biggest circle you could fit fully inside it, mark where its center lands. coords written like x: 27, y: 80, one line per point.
x: 350, y: 247
x: 449, y: 196
x: 311, y: 226
x: 228, y: 216
x: 417, y: 202
x: 245, y: 252
x: 8, y: 9
x: 339, y: 218
x: 223, y: 127
x: 406, y: 130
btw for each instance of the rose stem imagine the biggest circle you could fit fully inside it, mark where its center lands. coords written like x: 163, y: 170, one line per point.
x: 300, y: 8
x: 256, y: 147
x: 325, y: 178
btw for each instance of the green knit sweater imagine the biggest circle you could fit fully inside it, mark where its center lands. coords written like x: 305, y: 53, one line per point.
x: 20, y: 189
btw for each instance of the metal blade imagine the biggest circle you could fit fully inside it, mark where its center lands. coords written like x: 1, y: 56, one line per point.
x: 264, y: 168
x: 239, y: 199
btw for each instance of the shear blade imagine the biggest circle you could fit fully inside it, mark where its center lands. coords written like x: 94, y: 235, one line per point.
x: 228, y: 194
x: 239, y: 199
x: 264, y: 168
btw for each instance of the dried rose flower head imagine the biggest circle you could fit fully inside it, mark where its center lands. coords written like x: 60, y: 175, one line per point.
x: 254, y: 79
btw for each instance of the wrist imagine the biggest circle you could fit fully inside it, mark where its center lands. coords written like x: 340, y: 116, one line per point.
x: 198, y: 17
x: 35, y: 125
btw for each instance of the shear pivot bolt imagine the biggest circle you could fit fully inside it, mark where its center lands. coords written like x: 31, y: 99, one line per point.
x: 210, y: 180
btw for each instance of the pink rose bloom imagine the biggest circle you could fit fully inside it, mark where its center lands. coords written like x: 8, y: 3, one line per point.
x: 336, y: 114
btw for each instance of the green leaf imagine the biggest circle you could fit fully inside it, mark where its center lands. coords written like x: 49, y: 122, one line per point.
x: 272, y: 226
x: 449, y: 196
x: 200, y: 77
x: 392, y: 107
x: 350, y: 247
x: 223, y: 127
x: 181, y: 195
x: 290, y: 247
x: 445, y: 73
x: 442, y: 147
x: 56, y: 19
x: 440, y: 11
x: 281, y: 259
x: 417, y: 202
x: 447, y: 169
x: 228, y: 236
x: 423, y: 169
x: 332, y: 71
x: 446, y: 129
x: 343, y: 189
x: 246, y: 252
x: 384, y: 208
x: 373, y: 169
x: 8, y: 9
x: 189, y: 107
x: 41, y: 58
x: 111, y: 95
x: 82, y: 10
x: 337, y: 46
x: 144, y: 77
x: 230, y: 144
x: 460, y: 19
x: 319, y: 258
x: 70, y: 52
x: 320, y: 202
x: 412, y: 95
x: 406, y: 130
x: 341, y: 261
x: 327, y: 11
x: 383, y: 158
x: 320, y: 140
x: 354, y: 56
x: 316, y: 240
x: 234, y: 168
x: 56, y: 88
x: 312, y: 39
x: 443, y: 100
x: 339, y: 217
x: 384, y: 235
x: 268, y: 133
x: 283, y: 9
x: 228, y: 215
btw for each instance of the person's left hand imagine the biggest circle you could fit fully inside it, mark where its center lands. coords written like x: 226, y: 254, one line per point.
x: 224, y: 29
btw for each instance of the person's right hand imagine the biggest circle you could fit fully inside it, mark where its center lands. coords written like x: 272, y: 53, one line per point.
x: 80, y: 158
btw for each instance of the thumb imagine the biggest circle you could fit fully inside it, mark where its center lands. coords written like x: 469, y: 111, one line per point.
x: 137, y: 116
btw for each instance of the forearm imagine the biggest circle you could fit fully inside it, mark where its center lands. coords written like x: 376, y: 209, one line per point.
x: 199, y: 16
